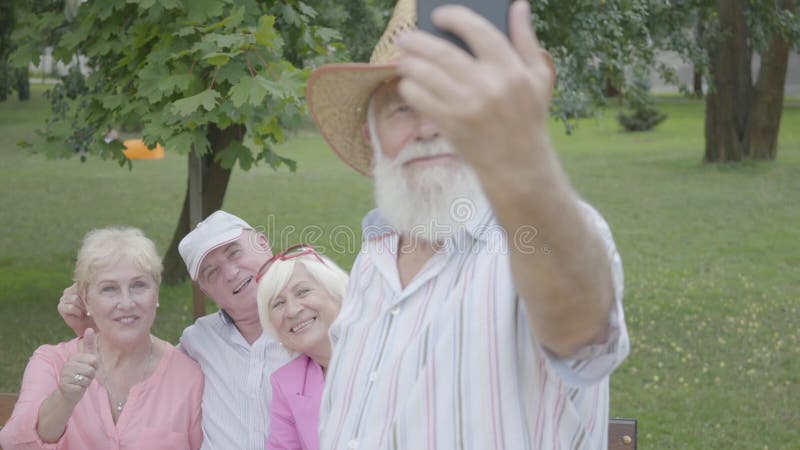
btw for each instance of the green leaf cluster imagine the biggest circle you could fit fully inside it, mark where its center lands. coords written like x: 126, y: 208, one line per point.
x: 593, y: 43
x: 596, y: 43
x: 690, y: 28
x: 172, y: 68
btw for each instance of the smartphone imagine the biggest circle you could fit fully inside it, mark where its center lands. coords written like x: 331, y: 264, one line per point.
x: 495, y: 11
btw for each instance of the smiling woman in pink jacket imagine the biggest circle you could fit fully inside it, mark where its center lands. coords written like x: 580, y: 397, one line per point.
x: 119, y: 388
x: 299, y: 295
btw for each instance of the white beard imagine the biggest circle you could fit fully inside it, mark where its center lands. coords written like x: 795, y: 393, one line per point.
x: 427, y: 203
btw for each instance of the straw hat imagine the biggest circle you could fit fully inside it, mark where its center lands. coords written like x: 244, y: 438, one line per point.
x: 338, y: 94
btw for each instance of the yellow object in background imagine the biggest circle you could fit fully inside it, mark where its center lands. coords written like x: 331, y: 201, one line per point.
x: 135, y: 149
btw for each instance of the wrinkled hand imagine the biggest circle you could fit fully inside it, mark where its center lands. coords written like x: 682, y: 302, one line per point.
x: 492, y: 107
x: 73, y: 310
x: 79, y: 370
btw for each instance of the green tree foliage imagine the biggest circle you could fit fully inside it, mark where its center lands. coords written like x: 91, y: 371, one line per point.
x: 364, y: 23
x: 223, y: 78
x: 11, y: 78
x: 676, y: 26
x: 6, y: 25
x: 176, y: 67
x: 743, y: 112
x: 595, y: 41
x: 591, y: 42
x: 640, y: 112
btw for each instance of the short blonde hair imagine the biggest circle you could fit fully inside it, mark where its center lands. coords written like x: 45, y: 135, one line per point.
x: 104, y: 247
x: 330, y: 276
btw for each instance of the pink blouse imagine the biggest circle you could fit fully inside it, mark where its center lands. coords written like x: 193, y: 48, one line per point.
x: 162, y: 412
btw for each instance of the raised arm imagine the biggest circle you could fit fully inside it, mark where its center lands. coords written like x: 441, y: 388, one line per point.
x: 47, y: 398
x: 494, y: 110
x: 75, y: 376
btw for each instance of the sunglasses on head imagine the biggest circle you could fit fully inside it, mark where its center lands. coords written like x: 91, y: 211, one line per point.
x: 295, y: 251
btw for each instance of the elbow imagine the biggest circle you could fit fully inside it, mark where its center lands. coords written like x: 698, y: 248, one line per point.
x: 584, y: 326
x: 567, y: 345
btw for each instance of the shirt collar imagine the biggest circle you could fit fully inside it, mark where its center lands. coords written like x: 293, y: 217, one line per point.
x: 480, y: 224
x: 227, y: 321
x: 225, y: 317
x: 374, y: 226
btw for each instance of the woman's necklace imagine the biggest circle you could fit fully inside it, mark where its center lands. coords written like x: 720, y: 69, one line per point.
x: 119, y: 404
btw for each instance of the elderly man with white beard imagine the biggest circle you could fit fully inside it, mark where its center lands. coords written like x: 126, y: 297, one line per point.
x: 445, y: 339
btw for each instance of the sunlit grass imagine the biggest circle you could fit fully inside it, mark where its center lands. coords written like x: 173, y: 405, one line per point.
x: 711, y: 254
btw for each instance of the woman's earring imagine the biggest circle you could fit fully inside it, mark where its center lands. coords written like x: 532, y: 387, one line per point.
x: 158, y: 305
x: 88, y: 314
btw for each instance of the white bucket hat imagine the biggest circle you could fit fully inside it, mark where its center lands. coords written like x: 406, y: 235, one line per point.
x: 216, y: 230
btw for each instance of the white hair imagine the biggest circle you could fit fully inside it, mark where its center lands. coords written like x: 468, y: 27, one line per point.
x: 329, y: 275
x: 103, y: 248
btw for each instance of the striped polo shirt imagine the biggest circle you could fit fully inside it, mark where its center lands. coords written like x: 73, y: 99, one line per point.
x: 449, y: 361
x: 237, y: 391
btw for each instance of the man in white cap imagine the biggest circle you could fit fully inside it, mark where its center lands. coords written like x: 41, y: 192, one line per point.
x: 223, y: 255
x: 485, y: 308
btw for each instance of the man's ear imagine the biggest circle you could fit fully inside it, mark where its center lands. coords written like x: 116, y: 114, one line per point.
x: 263, y: 242
x: 365, y: 134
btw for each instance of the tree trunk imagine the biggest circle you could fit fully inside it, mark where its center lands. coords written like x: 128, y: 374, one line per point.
x: 23, y: 84
x: 215, y: 184
x: 610, y: 90
x: 728, y: 104
x: 699, y: 34
x: 698, y: 84
x: 761, y: 139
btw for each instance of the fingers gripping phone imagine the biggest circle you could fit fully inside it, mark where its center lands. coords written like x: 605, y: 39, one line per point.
x: 495, y: 11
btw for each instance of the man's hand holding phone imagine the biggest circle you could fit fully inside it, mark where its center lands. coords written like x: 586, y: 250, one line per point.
x: 493, y: 106
x: 494, y: 11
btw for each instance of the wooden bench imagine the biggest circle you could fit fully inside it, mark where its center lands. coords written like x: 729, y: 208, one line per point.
x: 7, y: 402
x: 621, y: 432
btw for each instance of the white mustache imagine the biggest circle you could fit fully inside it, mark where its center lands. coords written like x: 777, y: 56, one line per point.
x: 422, y: 150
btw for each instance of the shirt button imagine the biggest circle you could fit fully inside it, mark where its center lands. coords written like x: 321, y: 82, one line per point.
x: 395, y: 310
x: 373, y: 376
x: 352, y: 444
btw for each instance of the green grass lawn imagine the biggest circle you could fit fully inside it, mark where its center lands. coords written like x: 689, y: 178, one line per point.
x: 711, y: 254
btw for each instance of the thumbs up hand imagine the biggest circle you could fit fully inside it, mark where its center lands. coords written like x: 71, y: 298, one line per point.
x: 89, y: 344
x: 80, y: 369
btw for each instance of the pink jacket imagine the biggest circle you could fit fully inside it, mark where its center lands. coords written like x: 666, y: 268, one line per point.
x: 294, y: 412
x: 162, y: 412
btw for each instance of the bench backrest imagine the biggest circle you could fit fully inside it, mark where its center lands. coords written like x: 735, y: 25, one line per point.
x: 7, y: 402
x: 622, y: 434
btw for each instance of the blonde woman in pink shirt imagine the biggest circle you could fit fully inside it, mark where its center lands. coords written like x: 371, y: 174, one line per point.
x: 298, y: 299
x: 119, y: 387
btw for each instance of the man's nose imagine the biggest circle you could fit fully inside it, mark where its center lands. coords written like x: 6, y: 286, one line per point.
x: 426, y: 129
x: 231, y: 271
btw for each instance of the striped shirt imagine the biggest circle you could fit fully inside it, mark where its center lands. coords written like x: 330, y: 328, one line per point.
x: 449, y: 362
x: 237, y: 391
